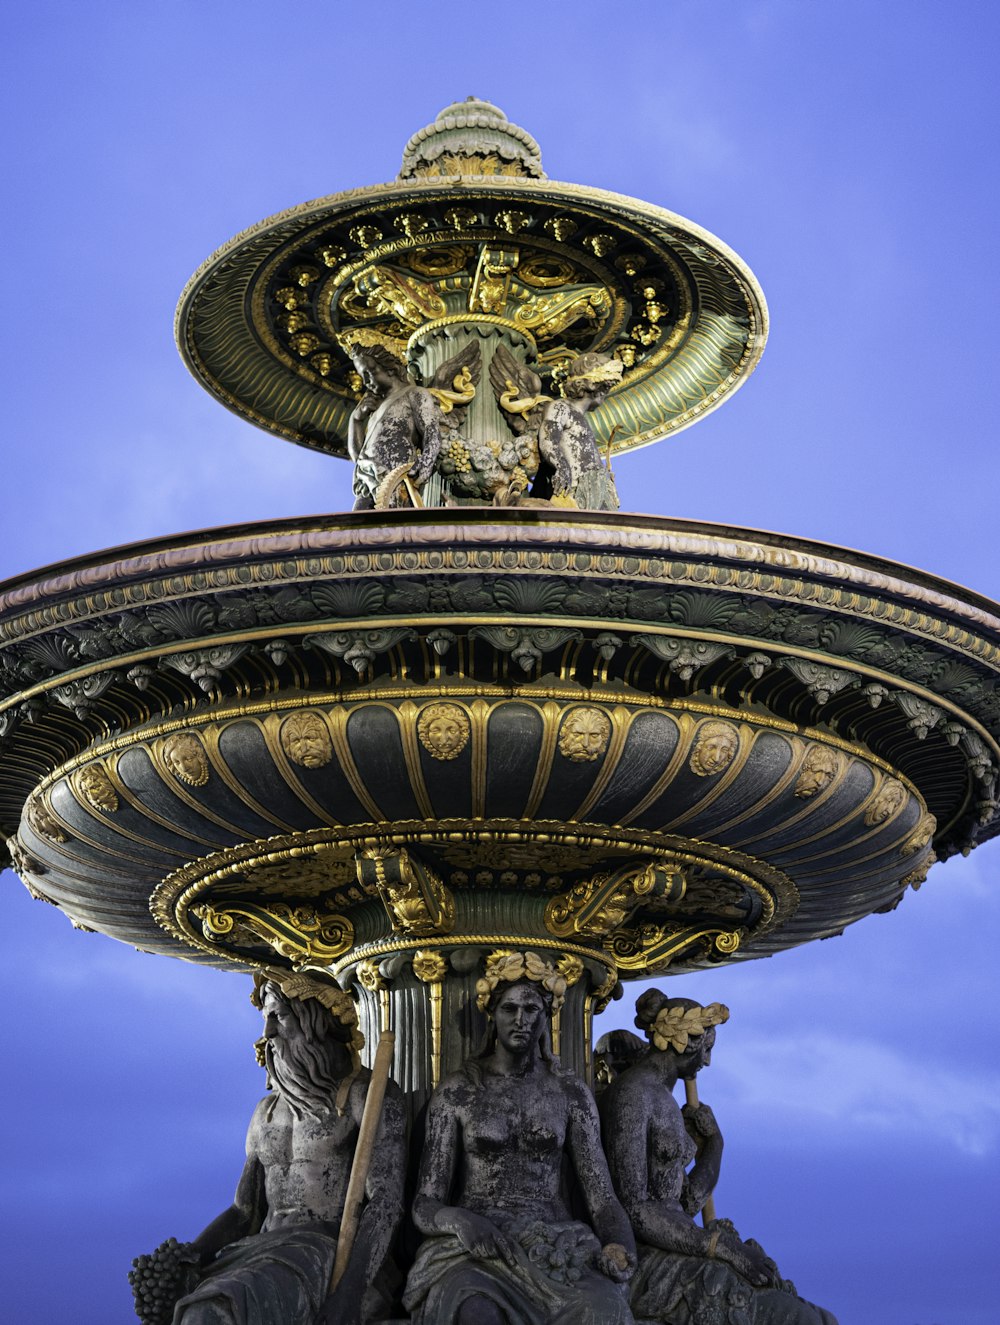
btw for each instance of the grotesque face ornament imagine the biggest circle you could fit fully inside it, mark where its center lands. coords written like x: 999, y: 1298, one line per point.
x: 819, y: 768
x: 443, y: 730
x: 306, y: 741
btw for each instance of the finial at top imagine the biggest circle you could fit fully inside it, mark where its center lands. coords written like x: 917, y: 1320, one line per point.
x: 471, y: 137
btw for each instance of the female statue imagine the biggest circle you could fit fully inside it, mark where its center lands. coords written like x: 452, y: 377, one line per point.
x: 687, y: 1275
x: 501, y: 1247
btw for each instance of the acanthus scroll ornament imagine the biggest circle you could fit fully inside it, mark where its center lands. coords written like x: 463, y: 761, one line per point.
x: 304, y: 935
x: 595, y: 908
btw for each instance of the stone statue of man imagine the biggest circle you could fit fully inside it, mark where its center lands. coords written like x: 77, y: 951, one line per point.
x: 269, y: 1257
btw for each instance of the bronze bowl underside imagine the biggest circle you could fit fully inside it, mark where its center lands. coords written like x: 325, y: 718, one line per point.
x: 527, y: 704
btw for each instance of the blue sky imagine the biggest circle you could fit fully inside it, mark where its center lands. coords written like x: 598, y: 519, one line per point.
x: 848, y: 152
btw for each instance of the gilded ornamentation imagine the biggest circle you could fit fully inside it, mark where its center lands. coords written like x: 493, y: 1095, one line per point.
x: 921, y: 837
x: 385, y: 292
x: 570, y: 968
x: 513, y: 221
x: 370, y: 976
x: 93, y: 786
x: 547, y: 316
x: 592, y: 909
x: 302, y: 934
x: 547, y: 271
x: 491, y: 282
x: 504, y: 966
x: 584, y: 734
x: 305, y: 739
x: 440, y: 261
x: 652, y: 948
x: 302, y: 876
x: 715, y: 745
x: 42, y: 821
x: 461, y: 218
x: 561, y: 227
x: 184, y: 755
x: 416, y: 901
x: 888, y: 800
x: 443, y: 730
x: 429, y: 965
x: 675, y: 1025
x: 820, y: 767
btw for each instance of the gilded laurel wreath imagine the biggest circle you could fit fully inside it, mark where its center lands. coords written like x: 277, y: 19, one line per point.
x: 675, y: 1026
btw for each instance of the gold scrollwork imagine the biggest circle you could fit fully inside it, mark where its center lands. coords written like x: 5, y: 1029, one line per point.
x: 652, y: 948
x: 302, y: 934
x: 595, y: 908
x: 546, y: 316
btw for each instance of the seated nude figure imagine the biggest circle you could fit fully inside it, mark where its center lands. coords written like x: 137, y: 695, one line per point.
x: 269, y: 1257
x: 501, y: 1247
x: 688, y: 1275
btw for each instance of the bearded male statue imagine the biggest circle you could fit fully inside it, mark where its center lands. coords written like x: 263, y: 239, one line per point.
x: 269, y: 1257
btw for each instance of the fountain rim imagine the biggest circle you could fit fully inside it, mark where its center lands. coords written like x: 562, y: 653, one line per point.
x: 53, y: 580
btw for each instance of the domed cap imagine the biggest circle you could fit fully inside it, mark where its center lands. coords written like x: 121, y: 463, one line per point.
x: 471, y: 137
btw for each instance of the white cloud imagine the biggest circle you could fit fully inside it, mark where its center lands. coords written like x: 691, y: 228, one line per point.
x: 806, y: 1081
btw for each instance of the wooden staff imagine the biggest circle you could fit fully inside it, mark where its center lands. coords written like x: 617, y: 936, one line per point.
x: 691, y: 1094
x: 363, y: 1155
